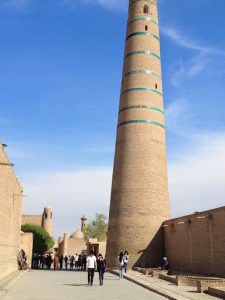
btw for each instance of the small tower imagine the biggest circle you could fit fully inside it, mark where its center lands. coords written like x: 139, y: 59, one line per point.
x: 83, y: 223
x: 47, y: 219
x: 65, y: 245
x: 139, y: 198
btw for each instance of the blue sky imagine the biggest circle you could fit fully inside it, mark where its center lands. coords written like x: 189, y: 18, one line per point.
x: 61, y: 64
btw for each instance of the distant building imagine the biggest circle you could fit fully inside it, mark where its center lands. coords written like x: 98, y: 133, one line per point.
x: 44, y: 220
x: 77, y: 243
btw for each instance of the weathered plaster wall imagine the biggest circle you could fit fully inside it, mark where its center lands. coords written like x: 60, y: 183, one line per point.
x: 10, y: 216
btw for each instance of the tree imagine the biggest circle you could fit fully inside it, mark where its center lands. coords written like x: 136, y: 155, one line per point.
x: 42, y: 240
x: 97, y: 228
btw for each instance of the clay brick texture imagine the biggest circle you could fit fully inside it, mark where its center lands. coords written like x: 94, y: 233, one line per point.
x: 139, y: 197
x: 10, y: 215
x: 196, y: 243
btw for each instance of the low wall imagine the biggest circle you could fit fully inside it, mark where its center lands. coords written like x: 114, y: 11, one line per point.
x: 196, y: 243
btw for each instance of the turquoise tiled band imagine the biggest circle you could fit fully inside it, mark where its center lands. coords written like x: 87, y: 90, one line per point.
x: 146, y: 52
x: 142, y: 33
x: 141, y: 106
x: 141, y: 121
x: 139, y: 89
x: 142, y: 19
x: 142, y: 72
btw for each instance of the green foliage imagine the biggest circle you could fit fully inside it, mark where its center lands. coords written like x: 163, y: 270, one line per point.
x: 42, y: 240
x: 97, y: 228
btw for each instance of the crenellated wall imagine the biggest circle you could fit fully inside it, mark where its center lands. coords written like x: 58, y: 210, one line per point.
x: 196, y: 243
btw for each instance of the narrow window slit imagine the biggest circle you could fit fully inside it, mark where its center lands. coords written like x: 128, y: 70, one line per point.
x: 146, y: 9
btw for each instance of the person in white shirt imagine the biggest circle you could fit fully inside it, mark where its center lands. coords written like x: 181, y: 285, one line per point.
x: 91, y: 267
x: 125, y: 259
x: 76, y: 261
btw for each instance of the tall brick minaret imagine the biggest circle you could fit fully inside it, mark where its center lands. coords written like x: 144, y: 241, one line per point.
x: 47, y: 219
x: 139, y: 199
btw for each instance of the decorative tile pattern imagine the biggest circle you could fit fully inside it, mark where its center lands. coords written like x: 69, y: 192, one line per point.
x: 143, y: 72
x: 141, y: 121
x: 139, y: 89
x: 141, y: 107
x: 142, y: 33
x: 142, y: 19
x: 146, y: 52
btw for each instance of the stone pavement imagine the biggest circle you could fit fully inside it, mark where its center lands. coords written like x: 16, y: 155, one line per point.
x: 7, y: 283
x: 166, y: 288
x: 61, y: 285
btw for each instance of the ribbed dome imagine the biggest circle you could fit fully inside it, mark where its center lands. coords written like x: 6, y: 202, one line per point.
x: 77, y: 235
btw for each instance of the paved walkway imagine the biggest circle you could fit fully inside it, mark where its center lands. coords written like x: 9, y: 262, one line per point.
x: 61, y: 285
x: 166, y: 288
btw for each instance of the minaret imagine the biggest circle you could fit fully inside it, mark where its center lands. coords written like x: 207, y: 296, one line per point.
x: 83, y: 223
x: 139, y: 198
x: 47, y: 219
x: 65, y: 245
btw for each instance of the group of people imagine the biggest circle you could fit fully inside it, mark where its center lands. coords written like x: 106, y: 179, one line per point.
x: 47, y: 261
x: 81, y: 262
x: 95, y: 264
x: 99, y: 264
x: 77, y: 262
x: 42, y: 261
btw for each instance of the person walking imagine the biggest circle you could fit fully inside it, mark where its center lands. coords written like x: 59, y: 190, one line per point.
x: 91, y: 267
x: 125, y: 259
x: 76, y: 261
x: 66, y: 262
x: 71, y: 262
x: 101, y: 266
x: 56, y: 262
x: 61, y: 262
x: 84, y: 262
x: 121, y: 265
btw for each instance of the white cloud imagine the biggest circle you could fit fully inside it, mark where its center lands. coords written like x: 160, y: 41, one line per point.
x: 183, y: 41
x: 197, y: 166
x: 71, y: 195
x: 181, y: 117
x: 189, y: 68
x: 197, y: 180
x: 195, y: 65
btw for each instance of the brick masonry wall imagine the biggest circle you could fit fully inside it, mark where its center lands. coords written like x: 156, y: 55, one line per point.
x: 70, y: 246
x: 196, y: 243
x: 10, y: 216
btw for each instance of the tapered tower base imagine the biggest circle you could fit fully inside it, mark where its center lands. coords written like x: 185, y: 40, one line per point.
x: 139, y: 199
